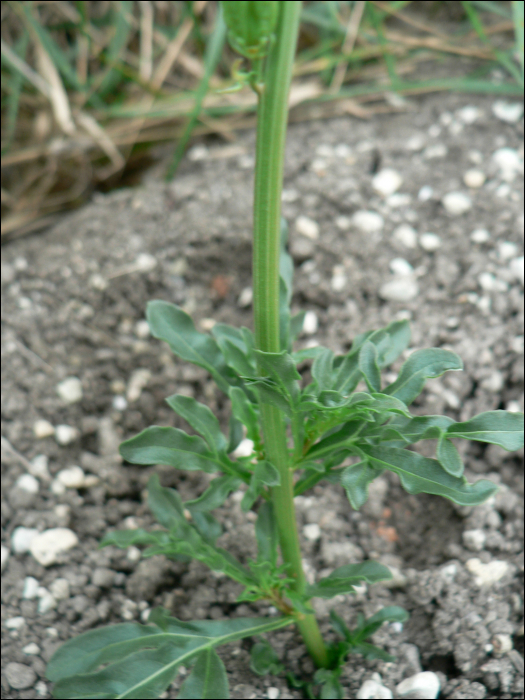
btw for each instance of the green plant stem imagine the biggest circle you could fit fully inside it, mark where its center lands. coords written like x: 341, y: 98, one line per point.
x: 271, y: 133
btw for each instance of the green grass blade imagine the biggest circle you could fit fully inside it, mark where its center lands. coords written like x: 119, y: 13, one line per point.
x: 14, y: 88
x: 517, y: 16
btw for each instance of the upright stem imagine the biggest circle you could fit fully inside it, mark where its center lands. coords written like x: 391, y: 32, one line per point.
x: 271, y: 134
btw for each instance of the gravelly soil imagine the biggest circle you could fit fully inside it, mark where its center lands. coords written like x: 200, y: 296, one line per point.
x: 73, y: 305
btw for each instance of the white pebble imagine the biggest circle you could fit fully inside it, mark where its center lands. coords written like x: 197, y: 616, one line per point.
x: 48, y: 544
x: 31, y: 649
x: 307, y: 227
x: 489, y: 283
x: 39, y: 467
x: 400, y: 266
x: 416, y: 142
x: 474, y: 540
x: 119, y: 403
x: 429, y: 241
x: 133, y: 554
x: 503, y: 190
x: 406, y: 234
x: 513, y: 407
x: 43, y: 429
x: 30, y: 588
x: 338, y: 281
x: 468, y: 114
x: 98, y: 282
x: 245, y: 297
x: 318, y: 166
x: 517, y: 268
x: 398, y: 200
x: 487, y: 574
x: 60, y: 589
x: 437, y: 150
x: 401, y: 289
x: 457, y: 203
x: 273, y: 693
x: 310, y: 323
x: 5, y: 557
x: 289, y: 195
x: 494, y: 382
x: 480, y: 235
x: 312, y: 532
x: 343, y: 223
x: 368, y: 221
x: 509, y: 112
x: 207, y: 323
x: 198, y: 152
x: 137, y: 382
x: 46, y: 602
x: 145, y: 262
x: 434, y: 130
x: 501, y: 644
x: 387, y: 181
x: 342, y: 150
x: 15, y: 623
x: 72, y: 477
x: 425, y: 684
x: 425, y: 193
x: 70, y: 390
x: 65, y: 434
x: 142, y: 328
x: 372, y: 690
x: 21, y: 539
x: 507, y: 250
x: 446, y: 118
x: 324, y: 150
x: 27, y: 483
x: 475, y: 156
x: 243, y: 449
x: 474, y: 178
x: 509, y: 163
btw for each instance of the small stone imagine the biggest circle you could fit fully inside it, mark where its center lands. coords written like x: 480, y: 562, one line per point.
x: 70, y: 390
x: 198, y: 152
x: 342, y: 150
x: 21, y: 539
x: 513, y: 407
x: 387, y: 181
x: 325, y: 150
x: 509, y: 163
x: 48, y: 544
x: 437, y: 150
x: 142, y: 329
x: 245, y: 297
x: 406, y: 235
x: 517, y: 268
x: 307, y: 227
x: 5, y: 557
x: 312, y: 532
x: 398, y: 200
x: 469, y: 114
x: 103, y: 577
x: 98, y: 282
x: 494, y: 382
x: 425, y: 193
x: 474, y: 540
x: 510, y: 112
x: 401, y: 289
x: 503, y: 191
x: 27, y: 483
x: 289, y: 196
x: 273, y: 693
x: 65, y: 434
x: 31, y: 649
x: 43, y: 429
x: 138, y: 380
x: 480, y: 235
x: 338, y: 281
x: 416, y: 142
x: 474, y: 178
x: 368, y: 221
x: 15, y: 623
x: 244, y: 448
x: 72, y: 477
x: 343, y: 223
x: 487, y: 574
x: 425, y: 684
x: 310, y: 323
x: 59, y: 589
x: 119, y: 403
x: 475, y: 156
x: 430, y: 241
x: 507, y: 250
x: 457, y: 203
x: 39, y: 468
x: 372, y: 690
x: 30, y: 588
x: 46, y: 602
x: 489, y: 283
x: 19, y: 676
x: 501, y: 644
x: 145, y: 262
x: 133, y: 554
x: 402, y: 267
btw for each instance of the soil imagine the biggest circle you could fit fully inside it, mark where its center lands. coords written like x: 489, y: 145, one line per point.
x: 73, y: 304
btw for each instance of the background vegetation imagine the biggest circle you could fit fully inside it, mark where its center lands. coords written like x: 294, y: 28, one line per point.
x: 90, y: 89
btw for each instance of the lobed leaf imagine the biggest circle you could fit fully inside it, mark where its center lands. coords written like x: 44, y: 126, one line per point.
x: 281, y: 368
x: 201, y: 419
x: 449, y: 457
x: 215, y: 495
x: 264, y: 659
x: 244, y: 412
x: 207, y: 680
x: 266, y: 534
x: 322, y: 369
x: 264, y: 474
x: 368, y: 364
x: 497, y: 427
x: 343, y: 579
x: 355, y: 480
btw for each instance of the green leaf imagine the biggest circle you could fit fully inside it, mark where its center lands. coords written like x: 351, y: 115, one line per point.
x: 369, y: 626
x: 306, y: 354
x: 201, y: 419
x: 371, y: 652
x: 420, y: 366
x: 264, y: 659
x: 237, y: 353
x: 244, y: 411
x: 398, y: 340
x: 331, y: 688
x: 322, y: 369
x: 281, y: 368
x: 355, y: 480
x: 207, y: 680
x: 369, y: 367
x: 271, y: 393
x: 169, y: 446
x: 449, y: 457
x: 215, y: 495
x: 266, y: 534
x: 236, y: 434
x: 264, y: 474
x: 125, y: 538
x: 170, y: 323
x: 334, y: 441
x: 497, y: 427
x: 296, y: 326
x: 415, y: 429
x: 423, y: 475
x: 207, y: 526
x: 346, y: 373
x: 142, y: 659
x: 165, y: 503
x: 343, y: 579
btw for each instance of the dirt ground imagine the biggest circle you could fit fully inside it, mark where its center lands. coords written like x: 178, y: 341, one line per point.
x: 73, y: 305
